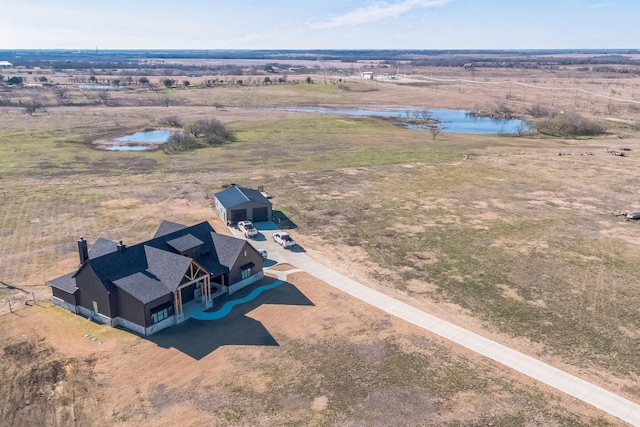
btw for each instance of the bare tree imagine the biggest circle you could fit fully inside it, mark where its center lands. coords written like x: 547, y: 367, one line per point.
x: 62, y: 94
x: 103, y: 96
x: 521, y: 127
x: 435, y: 131
x: 34, y: 106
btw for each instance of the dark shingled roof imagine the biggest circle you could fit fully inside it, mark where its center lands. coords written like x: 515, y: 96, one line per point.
x: 234, y: 196
x: 168, y: 267
x: 168, y: 227
x: 65, y: 283
x: 228, y: 248
x: 101, y: 247
x: 152, y: 269
x: 184, y: 243
x: 142, y: 286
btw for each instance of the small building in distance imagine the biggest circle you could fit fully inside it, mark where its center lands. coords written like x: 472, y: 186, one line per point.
x: 15, y: 80
x: 240, y: 204
x: 5, y: 64
x: 145, y: 287
x: 367, y: 75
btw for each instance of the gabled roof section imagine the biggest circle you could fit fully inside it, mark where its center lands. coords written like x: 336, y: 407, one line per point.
x: 157, y: 258
x: 168, y: 267
x: 168, y: 227
x: 101, y: 247
x: 185, y: 243
x: 234, y: 196
x: 144, y: 287
x: 65, y: 283
x: 228, y: 248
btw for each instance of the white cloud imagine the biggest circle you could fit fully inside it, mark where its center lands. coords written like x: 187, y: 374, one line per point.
x: 376, y: 12
x: 598, y: 5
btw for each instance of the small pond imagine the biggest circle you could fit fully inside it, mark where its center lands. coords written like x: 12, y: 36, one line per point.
x: 139, y: 141
x: 457, y: 121
x: 157, y: 136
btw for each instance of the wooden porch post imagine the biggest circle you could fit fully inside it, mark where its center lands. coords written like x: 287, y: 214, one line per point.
x: 177, y: 302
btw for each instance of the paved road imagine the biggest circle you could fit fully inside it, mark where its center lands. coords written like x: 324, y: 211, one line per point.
x: 611, y: 403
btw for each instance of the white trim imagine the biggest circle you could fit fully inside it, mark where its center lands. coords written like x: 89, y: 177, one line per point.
x: 119, y: 321
x: 68, y: 306
x: 100, y: 318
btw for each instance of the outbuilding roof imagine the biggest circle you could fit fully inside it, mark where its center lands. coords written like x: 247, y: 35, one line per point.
x: 234, y: 196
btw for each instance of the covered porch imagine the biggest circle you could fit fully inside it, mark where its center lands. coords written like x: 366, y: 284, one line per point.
x: 194, y: 293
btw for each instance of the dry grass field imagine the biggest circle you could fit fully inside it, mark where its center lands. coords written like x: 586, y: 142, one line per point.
x: 518, y: 243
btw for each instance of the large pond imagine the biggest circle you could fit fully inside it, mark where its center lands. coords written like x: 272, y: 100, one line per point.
x: 457, y: 121
x: 139, y: 141
x: 98, y: 87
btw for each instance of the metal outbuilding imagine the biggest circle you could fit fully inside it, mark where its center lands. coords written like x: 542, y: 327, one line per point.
x: 240, y: 204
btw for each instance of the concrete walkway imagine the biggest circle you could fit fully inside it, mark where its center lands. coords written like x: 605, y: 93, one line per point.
x: 611, y: 403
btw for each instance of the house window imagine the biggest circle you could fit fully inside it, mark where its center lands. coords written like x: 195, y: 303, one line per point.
x: 160, y: 316
x: 162, y: 312
x: 246, y: 270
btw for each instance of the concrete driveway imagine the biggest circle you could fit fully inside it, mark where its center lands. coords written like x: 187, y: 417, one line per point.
x: 613, y: 404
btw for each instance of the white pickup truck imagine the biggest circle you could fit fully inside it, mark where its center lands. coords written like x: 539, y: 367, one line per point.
x: 283, y: 239
x: 247, y: 228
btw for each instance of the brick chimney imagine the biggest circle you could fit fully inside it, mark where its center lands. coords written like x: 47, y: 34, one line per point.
x: 83, y: 250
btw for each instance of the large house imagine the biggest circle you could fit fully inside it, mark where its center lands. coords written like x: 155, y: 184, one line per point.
x: 239, y: 204
x: 145, y: 287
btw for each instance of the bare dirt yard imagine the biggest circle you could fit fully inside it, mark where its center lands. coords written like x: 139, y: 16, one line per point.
x: 514, y: 237
x: 301, y: 354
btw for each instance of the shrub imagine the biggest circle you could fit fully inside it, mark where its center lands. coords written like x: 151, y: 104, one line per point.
x: 569, y: 125
x: 538, y: 111
x: 211, y: 130
x: 179, y: 141
x: 172, y: 121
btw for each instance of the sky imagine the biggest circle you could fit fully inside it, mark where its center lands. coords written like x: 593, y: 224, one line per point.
x: 322, y: 24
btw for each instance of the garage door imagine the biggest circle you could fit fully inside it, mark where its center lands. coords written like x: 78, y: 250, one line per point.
x: 260, y: 214
x: 238, y: 215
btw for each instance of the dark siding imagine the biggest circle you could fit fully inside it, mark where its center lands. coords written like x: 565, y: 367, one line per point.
x: 235, y: 275
x: 69, y: 298
x: 150, y: 306
x: 131, y: 308
x: 188, y: 293
x: 91, y: 289
x: 115, y: 304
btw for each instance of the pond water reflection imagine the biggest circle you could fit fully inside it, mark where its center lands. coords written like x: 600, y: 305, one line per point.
x: 457, y: 121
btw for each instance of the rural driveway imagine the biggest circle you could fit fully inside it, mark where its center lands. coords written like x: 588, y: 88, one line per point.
x: 613, y: 404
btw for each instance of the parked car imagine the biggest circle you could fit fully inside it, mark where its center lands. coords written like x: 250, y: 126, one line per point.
x: 264, y: 253
x: 283, y: 239
x: 247, y: 228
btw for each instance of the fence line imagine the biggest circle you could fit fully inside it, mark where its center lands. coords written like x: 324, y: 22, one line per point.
x: 510, y: 82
